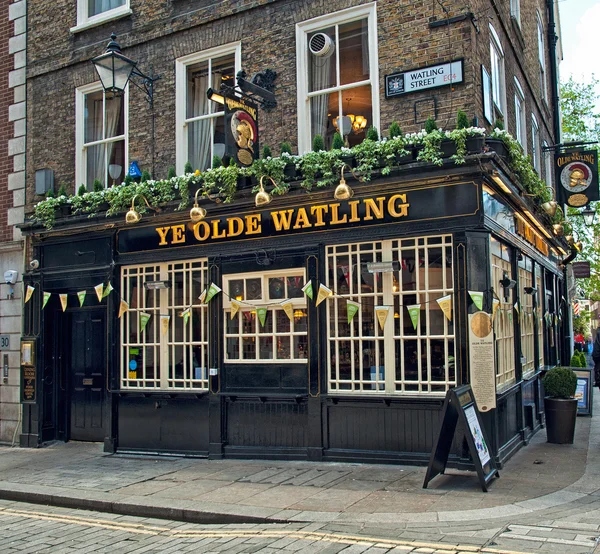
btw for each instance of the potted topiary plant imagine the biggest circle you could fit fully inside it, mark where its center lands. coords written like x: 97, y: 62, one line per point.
x: 559, y: 405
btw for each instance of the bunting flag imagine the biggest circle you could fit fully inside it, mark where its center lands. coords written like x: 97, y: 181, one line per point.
x: 352, y: 309
x: 323, y: 293
x: 414, y: 311
x: 164, y: 324
x: 47, y: 296
x: 382, y: 313
x: 81, y: 295
x: 288, y: 308
x: 63, y: 301
x: 477, y: 298
x: 29, y: 293
x: 99, y: 291
x: 516, y: 307
x: 213, y: 290
x: 202, y: 296
x: 107, y: 290
x: 235, y: 308
x: 144, y: 319
x: 123, y: 307
x: 346, y: 273
x: 186, y: 315
x: 308, y: 289
x: 555, y: 320
x: 262, y: 315
x: 495, y: 306
x: 445, y: 303
x: 510, y: 312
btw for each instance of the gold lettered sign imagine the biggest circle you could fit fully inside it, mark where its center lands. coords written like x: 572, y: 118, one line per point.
x: 481, y: 360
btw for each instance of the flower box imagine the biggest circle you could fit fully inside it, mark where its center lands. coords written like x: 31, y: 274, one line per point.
x: 496, y: 145
x: 447, y: 148
x: 290, y: 173
x: 475, y: 145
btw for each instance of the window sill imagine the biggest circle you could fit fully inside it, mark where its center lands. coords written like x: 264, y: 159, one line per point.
x: 96, y: 21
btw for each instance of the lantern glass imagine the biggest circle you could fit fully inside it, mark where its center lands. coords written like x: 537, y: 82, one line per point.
x: 114, y: 71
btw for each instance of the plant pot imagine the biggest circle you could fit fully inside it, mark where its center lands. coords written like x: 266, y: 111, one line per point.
x: 447, y: 148
x: 497, y: 146
x: 561, y: 414
x: 244, y: 183
x: 290, y: 173
x: 406, y: 158
x: 475, y: 144
x: 349, y: 161
x: 63, y: 211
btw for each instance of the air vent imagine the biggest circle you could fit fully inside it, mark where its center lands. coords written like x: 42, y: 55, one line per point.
x: 321, y: 45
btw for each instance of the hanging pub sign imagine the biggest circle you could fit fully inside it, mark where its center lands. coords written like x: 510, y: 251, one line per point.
x: 241, y: 130
x: 581, y: 270
x: 433, y: 76
x: 577, y: 177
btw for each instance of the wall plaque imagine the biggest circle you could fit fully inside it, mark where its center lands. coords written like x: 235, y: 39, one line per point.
x: 424, y: 78
x: 481, y: 360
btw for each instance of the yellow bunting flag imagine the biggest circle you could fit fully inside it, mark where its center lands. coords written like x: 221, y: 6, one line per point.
x: 382, y: 313
x: 516, y: 307
x: 47, y: 296
x: 445, y: 303
x: 107, y: 290
x: 235, y: 307
x: 123, y: 307
x: 288, y: 308
x: 262, y: 315
x: 164, y: 324
x: 477, y: 298
x: 323, y: 293
x: 495, y: 306
x: 213, y: 290
x: 144, y: 319
x: 81, y: 296
x: 352, y: 309
x: 202, y: 296
x: 63, y: 301
x: 186, y: 315
x: 99, y: 291
x: 308, y: 289
x: 29, y: 293
x: 415, y: 313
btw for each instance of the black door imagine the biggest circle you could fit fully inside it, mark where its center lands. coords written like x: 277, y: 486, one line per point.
x: 88, y: 374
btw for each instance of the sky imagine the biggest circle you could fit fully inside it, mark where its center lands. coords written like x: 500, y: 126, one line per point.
x: 579, y: 22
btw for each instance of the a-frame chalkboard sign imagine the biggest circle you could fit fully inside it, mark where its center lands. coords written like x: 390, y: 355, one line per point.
x: 460, y: 404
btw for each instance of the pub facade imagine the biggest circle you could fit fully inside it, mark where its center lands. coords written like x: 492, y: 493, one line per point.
x: 307, y: 325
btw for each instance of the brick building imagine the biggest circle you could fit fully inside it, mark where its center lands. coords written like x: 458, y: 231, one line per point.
x: 302, y: 384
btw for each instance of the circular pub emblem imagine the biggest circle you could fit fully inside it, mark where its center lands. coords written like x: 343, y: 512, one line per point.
x: 481, y: 324
x: 575, y: 178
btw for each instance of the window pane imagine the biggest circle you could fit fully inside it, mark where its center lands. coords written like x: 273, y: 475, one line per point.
x: 322, y: 68
x: 92, y: 126
x: 96, y: 7
x: 294, y: 287
x: 95, y: 165
x: 254, y: 289
x: 300, y: 347
x: 319, y: 116
x: 198, y: 82
x: 276, y: 288
x: 114, y: 118
x: 266, y: 348
x: 232, y: 345
x: 236, y: 289
x: 248, y: 348
x: 354, y: 52
x: 282, y: 322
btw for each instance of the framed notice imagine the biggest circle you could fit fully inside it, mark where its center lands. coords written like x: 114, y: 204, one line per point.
x: 28, y: 353
x: 28, y: 372
x: 584, y: 391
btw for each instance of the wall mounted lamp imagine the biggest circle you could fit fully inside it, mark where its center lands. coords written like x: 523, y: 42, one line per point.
x: 133, y: 216
x: 197, y: 213
x: 157, y: 285
x: 343, y: 191
x: 550, y: 206
x: 262, y: 197
x: 529, y: 290
x: 507, y: 282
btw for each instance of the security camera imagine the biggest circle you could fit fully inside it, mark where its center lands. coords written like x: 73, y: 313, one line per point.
x: 10, y: 277
x: 34, y: 264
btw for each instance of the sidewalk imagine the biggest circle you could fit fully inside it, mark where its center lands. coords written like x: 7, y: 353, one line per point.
x: 541, y: 480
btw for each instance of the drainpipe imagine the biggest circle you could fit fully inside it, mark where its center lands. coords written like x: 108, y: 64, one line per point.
x: 552, y: 41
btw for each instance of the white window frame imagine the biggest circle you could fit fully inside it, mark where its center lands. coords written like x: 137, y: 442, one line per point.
x: 303, y: 29
x: 526, y: 318
x: 392, y: 380
x: 298, y: 303
x: 548, y: 163
x: 80, y: 144
x: 542, y: 57
x: 163, y: 345
x: 181, y: 120
x: 497, y: 74
x: 536, y: 144
x: 85, y: 22
x: 515, y: 10
x: 520, y: 116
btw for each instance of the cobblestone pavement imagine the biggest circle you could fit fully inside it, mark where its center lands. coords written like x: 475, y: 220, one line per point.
x: 27, y: 528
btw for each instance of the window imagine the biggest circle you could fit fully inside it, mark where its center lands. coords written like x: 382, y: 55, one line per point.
x: 520, y: 119
x: 281, y: 338
x: 497, y: 65
x: 548, y: 154
x: 200, y: 122
x: 401, y: 358
x: 526, y: 316
x: 174, y: 356
x: 542, y: 57
x: 536, y: 146
x: 95, y: 12
x: 515, y: 10
x: 539, y: 311
x: 337, y: 76
x: 101, y: 137
x: 504, y: 333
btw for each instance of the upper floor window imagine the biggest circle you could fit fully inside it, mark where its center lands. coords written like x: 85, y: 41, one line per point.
x: 337, y: 76
x: 548, y: 163
x: 520, y: 119
x: 536, y: 145
x: 515, y: 10
x: 497, y: 66
x: 100, y: 137
x: 200, y: 122
x: 95, y: 12
x: 542, y: 57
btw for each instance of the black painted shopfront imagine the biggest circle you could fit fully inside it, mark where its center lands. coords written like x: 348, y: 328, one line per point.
x: 304, y: 382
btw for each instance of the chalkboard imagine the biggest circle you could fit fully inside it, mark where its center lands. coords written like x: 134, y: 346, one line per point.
x: 460, y: 405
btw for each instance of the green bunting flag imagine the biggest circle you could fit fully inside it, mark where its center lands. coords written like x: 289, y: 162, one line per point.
x: 352, y: 309
x: 81, y: 295
x: 47, y: 296
x: 186, y: 315
x: 308, y: 289
x: 213, y: 290
x: 107, y: 290
x: 414, y: 311
x: 262, y: 315
x: 477, y: 298
x: 144, y: 319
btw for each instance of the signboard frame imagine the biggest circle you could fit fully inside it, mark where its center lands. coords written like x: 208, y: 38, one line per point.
x: 395, y: 83
x: 28, y: 371
x: 585, y: 387
x: 576, y: 173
